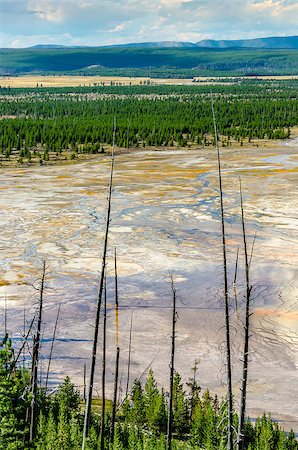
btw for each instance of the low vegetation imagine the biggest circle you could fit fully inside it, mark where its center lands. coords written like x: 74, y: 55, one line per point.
x: 199, y: 420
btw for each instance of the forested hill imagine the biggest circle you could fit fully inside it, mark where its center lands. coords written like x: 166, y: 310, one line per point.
x: 175, y: 62
x: 267, y: 42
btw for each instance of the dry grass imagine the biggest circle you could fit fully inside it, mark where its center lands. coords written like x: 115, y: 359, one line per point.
x: 30, y: 81
x: 61, y: 81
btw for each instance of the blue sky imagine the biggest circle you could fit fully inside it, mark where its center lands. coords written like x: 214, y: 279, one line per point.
x: 103, y: 22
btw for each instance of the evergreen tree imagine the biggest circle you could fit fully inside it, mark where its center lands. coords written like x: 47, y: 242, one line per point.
x: 181, y: 422
x: 137, y: 409
x: 141, y: 418
x: 154, y: 405
x: 118, y: 441
x: 67, y: 399
x: 292, y: 443
x: 63, y: 429
x: 14, y: 400
x: 50, y: 437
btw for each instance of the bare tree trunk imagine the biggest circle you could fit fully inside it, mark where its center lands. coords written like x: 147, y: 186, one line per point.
x: 84, y: 393
x: 170, y: 413
x: 240, y: 436
x: 5, y: 316
x: 116, y: 302
x: 100, y: 291
x: 193, y: 388
x: 235, y: 284
x: 129, y: 355
x: 52, y: 345
x: 24, y: 334
x: 22, y: 346
x: 115, y: 395
x: 103, y: 380
x: 117, y: 353
x: 35, y: 359
x: 226, y: 297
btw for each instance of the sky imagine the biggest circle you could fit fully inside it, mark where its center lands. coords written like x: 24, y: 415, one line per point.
x: 24, y: 23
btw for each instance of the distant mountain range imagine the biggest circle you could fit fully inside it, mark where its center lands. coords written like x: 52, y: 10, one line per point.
x: 41, y: 46
x: 280, y: 42
x: 264, y: 56
x: 259, y: 43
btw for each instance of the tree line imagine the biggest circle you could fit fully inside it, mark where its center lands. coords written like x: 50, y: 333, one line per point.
x: 82, y: 122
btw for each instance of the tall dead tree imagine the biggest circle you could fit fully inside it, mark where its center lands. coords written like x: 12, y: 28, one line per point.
x: 235, y: 284
x: 84, y: 391
x: 193, y: 386
x: 35, y: 359
x: 5, y: 316
x: 129, y: 355
x: 103, y: 376
x: 24, y: 334
x: 117, y: 353
x: 241, y: 427
x: 116, y: 301
x: 172, y: 367
x: 99, y: 298
x: 226, y: 294
x: 52, y: 346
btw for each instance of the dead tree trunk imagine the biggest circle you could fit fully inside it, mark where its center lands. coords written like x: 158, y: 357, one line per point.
x: 129, y: 356
x: 193, y: 384
x: 170, y: 412
x: 117, y: 353
x: 100, y: 291
x: 16, y: 360
x: 240, y: 436
x: 84, y: 392
x: 24, y: 334
x: 5, y: 316
x: 226, y: 296
x: 235, y: 284
x: 113, y: 423
x: 103, y: 379
x: 35, y: 359
x: 52, y: 345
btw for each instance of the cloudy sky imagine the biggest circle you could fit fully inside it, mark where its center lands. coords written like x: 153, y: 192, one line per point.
x: 103, y: 22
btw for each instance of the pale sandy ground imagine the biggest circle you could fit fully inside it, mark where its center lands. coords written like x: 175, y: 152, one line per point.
x: 164, y: 219
x: 27, y: 81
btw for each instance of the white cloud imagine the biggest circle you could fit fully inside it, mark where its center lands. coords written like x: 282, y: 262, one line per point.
x: 102, y: 22
x: 46, y: 10
x: 175, y: 3
x: 275, y: 7
x: 84, y: 5
x: 118, y: 28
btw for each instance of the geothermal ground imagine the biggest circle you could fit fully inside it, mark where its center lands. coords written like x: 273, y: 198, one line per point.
x: 165, y: 220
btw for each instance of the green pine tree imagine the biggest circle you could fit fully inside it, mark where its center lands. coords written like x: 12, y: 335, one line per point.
x: 14, y: 400
x: 181, y: 413
x: 154, y: 404
x: 137, y: 409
